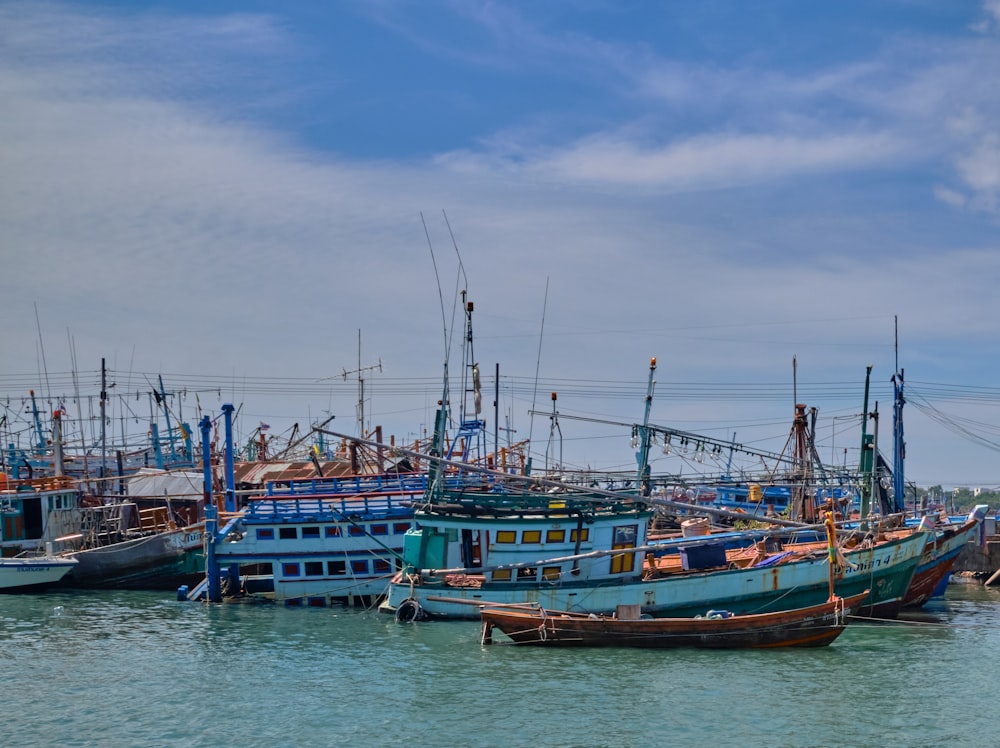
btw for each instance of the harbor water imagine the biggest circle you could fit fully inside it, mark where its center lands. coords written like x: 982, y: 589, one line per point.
x: 142, y: 669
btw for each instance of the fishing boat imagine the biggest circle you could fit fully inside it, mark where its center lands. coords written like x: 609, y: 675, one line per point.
x: 582, y: 557
x: 316, y: 543
x: 939, y: 557
x: 31, y: 573
x: 156, y: 559
x: 36, y: 511
x: 531, y: 540
x: 814, y: 626
x: 143, y: 540
x: 313, y: 542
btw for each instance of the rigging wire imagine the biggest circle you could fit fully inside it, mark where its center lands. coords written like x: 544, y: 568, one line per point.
x: 538, y: 360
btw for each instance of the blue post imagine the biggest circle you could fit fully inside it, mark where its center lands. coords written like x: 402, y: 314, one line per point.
x: 234, y: 569
x: 212, y: 572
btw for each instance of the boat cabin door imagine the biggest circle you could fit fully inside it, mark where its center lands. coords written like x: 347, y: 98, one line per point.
x: 624, y: 538
x: 472, y: 549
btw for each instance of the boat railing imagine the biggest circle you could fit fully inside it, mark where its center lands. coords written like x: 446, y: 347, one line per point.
x: 325, y: 508
x: 411, y: 483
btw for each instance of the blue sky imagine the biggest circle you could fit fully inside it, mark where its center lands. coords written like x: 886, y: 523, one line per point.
x: 229, y: 193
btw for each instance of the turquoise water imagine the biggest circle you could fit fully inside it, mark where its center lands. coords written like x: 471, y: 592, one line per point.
x: 141, y: 669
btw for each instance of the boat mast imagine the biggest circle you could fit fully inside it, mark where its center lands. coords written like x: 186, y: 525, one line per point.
x: 642, y: 457
x: 104, y: 431
x: 898, y: 445
x: 866, y: 467
x: 40, y: 444
x: 162, y: 398
x: 471, y: 436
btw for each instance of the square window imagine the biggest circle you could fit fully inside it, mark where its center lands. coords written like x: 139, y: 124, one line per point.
x: 527, y: 573
x: 314, y: 568
x: 400, y: 528
x: 356, y: 530
x: 295, y: 602
x: 334, y: 568
x: 290, y: 570
x: 382, y: 566
x: 550, y: 573
x: 288, y: 533
x: 317, y: 602
x: 555, y: 536
x: 531, y: 536
x: 265, y: 533
x: 359, y: 567
x: 380, y: 529
x: 584, y: 535
x: 506, y: 536
x: 501, y: 575
x: 310, y: 532
x: 333, y: 531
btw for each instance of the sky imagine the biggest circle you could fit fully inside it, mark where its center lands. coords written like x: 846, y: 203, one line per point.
x: 279, y: 205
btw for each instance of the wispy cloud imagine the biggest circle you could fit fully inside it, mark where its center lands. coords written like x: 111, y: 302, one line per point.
x: 156, y: 192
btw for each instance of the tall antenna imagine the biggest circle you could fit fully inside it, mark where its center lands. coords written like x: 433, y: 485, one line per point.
x: 361, y: 385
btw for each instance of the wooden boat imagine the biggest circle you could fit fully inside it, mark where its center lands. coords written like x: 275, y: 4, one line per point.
x: 939, y: 556
x: 814, y: 626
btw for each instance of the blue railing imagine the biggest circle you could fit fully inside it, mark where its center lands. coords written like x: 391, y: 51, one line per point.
x: 358, y: 485
x: 325, y: 509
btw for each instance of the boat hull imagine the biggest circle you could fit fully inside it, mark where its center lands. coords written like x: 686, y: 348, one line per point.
x: 886, y: 569
x: 162, y: 561
x: 936, y: 563
x: 815, y: 626
x: 31, y: 574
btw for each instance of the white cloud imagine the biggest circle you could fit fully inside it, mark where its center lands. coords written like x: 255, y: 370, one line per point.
x: 137, y: 213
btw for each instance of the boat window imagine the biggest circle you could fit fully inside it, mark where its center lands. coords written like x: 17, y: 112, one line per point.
x: 550, y: 573
x: 336, y: 567
x: 333, y: 531
x: 400, y: 528
x: 310, y: 532
x: 359, y: 567
x: 317, y: 602
x: 584, y: 535
x: 288, y: 533
x: 265, y: 533
x: 295, y: 602
x: 314, y: 568
x: 356, y: 530
x: 380, y: 529
x: 531, y: 536
x: 501, y: 575
x: 625, y: 535
x: 506, y: 536
x: 382, y: 566
x: 528, y: 573
x: 289, y: 570
x: 555, y: 536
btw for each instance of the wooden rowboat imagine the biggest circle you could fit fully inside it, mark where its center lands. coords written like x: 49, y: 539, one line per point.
x: 815, y: 626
